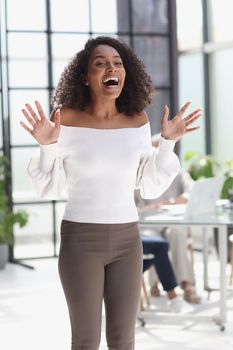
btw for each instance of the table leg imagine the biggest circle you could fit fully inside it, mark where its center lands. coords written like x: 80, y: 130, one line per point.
x: 205, y: 239
x: 222, y: 239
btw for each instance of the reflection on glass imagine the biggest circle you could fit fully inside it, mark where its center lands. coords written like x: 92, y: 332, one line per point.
x: 64, y: 47
x: 222, y: 104
x: 36, y: 238
x: 154, y: 52
x: 191, y: 88
x: 155, y: 110
x: 70, y: 15
x: 189, y: 24
x: 18, y: 98
x: 222, y: 20
x: 104, y: 16
x: 150, y: 16
x: 26, y: 14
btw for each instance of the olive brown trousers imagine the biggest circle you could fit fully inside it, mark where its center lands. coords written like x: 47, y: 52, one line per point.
x: 101, y: 262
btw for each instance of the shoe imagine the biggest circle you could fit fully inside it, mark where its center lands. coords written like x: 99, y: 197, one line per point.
x: 154, y: 291
x: 178, y: 305
x: 191, y: 296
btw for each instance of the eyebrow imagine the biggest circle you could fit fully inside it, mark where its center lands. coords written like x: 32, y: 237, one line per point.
x: 101, y: 56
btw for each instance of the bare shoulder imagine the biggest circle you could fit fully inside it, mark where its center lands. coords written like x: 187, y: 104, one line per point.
x: 67, y: 116
x: 140, y: 119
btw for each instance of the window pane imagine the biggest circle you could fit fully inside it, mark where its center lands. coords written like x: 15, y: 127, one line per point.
x: 104, y: 16
x: 222, y: 20
x: 150, y: 16
x: 26, y: 14
x: 191, y: 87
x: 60, y: 208
x: 154, y: 52
x: 222, y: 105
x: 189, y: 24
x: 35, y: 239
x: 70, y: 15
x: 23, y: 189
x: 27, y: 67
x: 1, y: 136
x: 64, y: 47
x: 18, y: 98
x: 155, y: 110
x: 123, y: 15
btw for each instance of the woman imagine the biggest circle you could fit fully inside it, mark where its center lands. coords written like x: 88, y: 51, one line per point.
x: 100, y: 137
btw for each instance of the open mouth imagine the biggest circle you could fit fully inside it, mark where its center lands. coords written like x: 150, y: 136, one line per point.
x: 111, y: 81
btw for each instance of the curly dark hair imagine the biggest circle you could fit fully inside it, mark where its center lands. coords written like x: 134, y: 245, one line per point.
x: 72, y: 92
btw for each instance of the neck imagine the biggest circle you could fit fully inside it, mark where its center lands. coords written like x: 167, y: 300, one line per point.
x: 102, y: 110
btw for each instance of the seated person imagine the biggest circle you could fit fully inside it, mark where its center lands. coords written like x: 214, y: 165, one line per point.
x: 177, y: 193
x: 159, y: 248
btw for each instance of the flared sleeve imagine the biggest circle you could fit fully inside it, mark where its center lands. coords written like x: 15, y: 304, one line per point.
x: 46, y: 172
x: 158, y: 168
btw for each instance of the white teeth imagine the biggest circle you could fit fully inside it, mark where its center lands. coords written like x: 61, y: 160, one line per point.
x: 110, y: 78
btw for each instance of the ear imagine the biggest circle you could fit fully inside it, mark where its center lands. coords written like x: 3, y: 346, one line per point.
x: 85, y: 81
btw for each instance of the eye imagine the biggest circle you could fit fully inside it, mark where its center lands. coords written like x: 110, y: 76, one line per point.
x: 100, y: 64
x: 118, y: 64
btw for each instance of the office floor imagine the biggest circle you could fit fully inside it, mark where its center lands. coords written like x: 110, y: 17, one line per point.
x: 33, y: 314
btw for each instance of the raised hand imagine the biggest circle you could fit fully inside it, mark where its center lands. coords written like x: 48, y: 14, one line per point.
x: 177, y: 127
x: 44, y: 131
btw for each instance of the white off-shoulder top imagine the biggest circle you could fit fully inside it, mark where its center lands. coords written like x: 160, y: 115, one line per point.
x: 100, y: 169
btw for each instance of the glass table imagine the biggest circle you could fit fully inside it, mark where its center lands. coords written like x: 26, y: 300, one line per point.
x: 222, y: 219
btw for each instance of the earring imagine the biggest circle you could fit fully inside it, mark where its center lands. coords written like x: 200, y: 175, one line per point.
x: 86, y: 83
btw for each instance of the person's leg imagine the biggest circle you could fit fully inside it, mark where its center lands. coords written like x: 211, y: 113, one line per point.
x: 123, y: 278
x: 81, y: 269
x: 159, y: 248
x: 177, y: 238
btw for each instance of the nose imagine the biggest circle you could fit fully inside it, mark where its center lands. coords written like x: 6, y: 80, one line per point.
x: 111, y: 67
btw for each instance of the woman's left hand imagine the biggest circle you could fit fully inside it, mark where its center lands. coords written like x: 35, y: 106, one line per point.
x: 177, y: 127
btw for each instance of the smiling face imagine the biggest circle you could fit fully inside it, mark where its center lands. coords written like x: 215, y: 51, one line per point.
x: 106, y: 73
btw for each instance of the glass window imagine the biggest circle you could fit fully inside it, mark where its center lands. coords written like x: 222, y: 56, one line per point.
x: 154, y: 52
x: 60, y: 208
x: 104, y: 16
x: 123, y: 15
x: 70, y: 15
x: 155, y: 110
x: 27, y: 67
x: 18, y: 98
x: 222, y: 20
x: 189, y: 24
x: 23, y: 189
x: 64, y: 47
x: 222, y: 105
x: 150, y: 16
x: 191, y: 88
x: 26, y: 15
x: 1, y: 136
x: 36, y: 238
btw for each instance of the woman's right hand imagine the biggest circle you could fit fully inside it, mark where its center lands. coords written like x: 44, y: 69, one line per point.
x: 43, y: 130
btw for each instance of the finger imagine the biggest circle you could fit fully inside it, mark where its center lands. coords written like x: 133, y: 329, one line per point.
x: 57, y: 119
x: 28, y: 117
x: 26, y: 127
x: 184, y: 108
x: 32, y: 112
x: 191, y: 121
x: 40, y: 110
x: 165, y: 113
x: 191, y: 115
x: 193, y: 129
